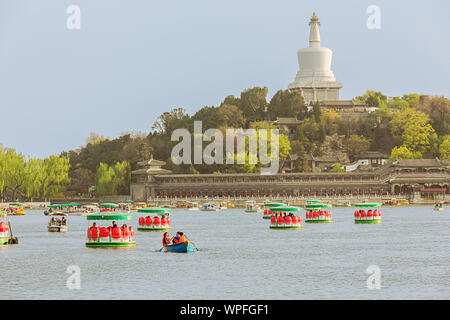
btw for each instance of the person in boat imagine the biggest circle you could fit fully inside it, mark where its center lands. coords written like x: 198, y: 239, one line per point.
x: 182, y: 238
x: 176, y: 239
x: 166, y: 239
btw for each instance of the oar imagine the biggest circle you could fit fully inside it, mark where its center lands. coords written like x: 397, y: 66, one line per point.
x: 197, y: 249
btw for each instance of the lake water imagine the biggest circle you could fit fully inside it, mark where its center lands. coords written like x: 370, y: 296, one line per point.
x: 240, y: 258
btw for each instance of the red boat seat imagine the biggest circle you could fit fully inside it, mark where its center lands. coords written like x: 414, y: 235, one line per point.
x: 287, y: 220
x: 280, y: 221
x: 104, y: 233
x: 116, y: 233
x: 93, y: 233
x: 273, y: 220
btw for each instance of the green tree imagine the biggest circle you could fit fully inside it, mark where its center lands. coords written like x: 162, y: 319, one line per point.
x: 231, y: 116
x: 169, y: 121
x: 438, y: 109
x: 112, y: 180
x: 104, y: 180
x: 355, y: 145
x: 337, y: 168
x: 253, y: 103
x: 287, y: 103
x: 301, y: 163
x: 411, y: 128
x: 444, y: 149
x: 373, y: 98
x: 403, y: 152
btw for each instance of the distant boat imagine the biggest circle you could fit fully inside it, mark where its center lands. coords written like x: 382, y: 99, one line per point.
x: 252, y: 207
x: 343, y: 204
x: 193, y: 206
x: 186, y: 246
x: 57, y: 222
x: 210, y: 207
x: 438, y: 206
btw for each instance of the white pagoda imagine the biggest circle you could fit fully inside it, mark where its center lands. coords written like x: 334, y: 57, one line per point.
x: 315, y: 79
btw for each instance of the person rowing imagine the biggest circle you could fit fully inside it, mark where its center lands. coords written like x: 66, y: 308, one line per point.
x: 166, y: 239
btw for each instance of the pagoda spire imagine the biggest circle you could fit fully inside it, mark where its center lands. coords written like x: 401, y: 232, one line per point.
x: 314, y: 34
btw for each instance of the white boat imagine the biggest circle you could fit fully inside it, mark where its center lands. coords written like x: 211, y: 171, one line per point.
x: 57, y: 222
x: 193, y: 206
x: 438, y: 206
x: 252, y: 207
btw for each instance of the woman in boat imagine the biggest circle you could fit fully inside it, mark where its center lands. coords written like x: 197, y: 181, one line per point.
x: 165, y: 239
x: 182, y: 238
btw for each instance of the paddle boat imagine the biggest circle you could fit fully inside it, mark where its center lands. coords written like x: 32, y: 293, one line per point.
x: 15, y: 209
x: 193, y: 206
x: 110, y: 236
x: 182, y: 204
x: 138, y: 205
x: 313, y: 201
x: 252, y: 207
x: 182, y: 247
x: 125, y: 206
x: 90, y: 208
x: 318, y: 213
x: 161, y: 222
x: 284, y: 218
x: 439, y: 206
x: 57, y: 222
x: 6, y: 235
x: 223, y: 206
x: 71, y: 209
x: 373, y: 215
x: 4, y: 232
x: 343, y: 204
x: 268, y: 205
x: 210, y: 207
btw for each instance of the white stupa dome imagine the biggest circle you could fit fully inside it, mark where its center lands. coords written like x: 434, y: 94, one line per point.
x: 315, y: 78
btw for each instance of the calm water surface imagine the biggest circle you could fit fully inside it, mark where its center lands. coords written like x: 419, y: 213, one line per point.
x: 240, y: 258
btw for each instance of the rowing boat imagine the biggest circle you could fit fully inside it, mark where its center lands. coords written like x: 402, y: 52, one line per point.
x: 186, y: 246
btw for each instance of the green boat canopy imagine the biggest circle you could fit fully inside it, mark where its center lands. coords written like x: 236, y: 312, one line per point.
x: 313, y: 201
x: 57, y: 213
x: 110, y: 216
x: 367, y: 205
x: 274, y: 204
x: 15, y: 204
x: 129, y: 201
x: 109, y: 205
x: 64, y: 205
x: 318, y: 206
x: 285, y: 209
x: 154, y: 210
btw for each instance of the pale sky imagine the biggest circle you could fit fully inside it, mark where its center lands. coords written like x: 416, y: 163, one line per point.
x: 132, y: 60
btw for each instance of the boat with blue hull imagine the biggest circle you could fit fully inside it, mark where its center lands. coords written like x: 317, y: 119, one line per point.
x: 180, y: 247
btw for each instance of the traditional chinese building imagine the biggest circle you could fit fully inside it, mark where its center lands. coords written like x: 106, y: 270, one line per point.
x: 414, y: 179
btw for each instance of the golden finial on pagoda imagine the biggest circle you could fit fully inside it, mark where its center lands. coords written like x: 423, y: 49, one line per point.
x: 314, y: 19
